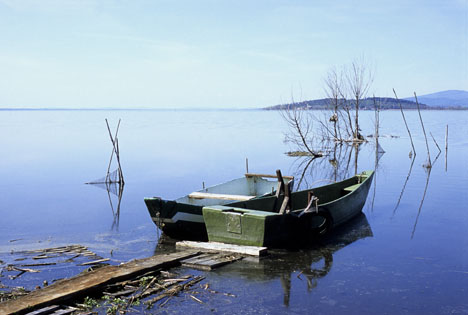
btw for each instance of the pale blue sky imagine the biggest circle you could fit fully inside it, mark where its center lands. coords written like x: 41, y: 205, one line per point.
x: 226, y: 54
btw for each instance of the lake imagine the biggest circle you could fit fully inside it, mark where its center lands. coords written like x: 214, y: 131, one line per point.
x: 407, y: 253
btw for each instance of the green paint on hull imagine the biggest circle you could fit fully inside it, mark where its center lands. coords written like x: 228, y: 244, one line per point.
x: 262, y: 225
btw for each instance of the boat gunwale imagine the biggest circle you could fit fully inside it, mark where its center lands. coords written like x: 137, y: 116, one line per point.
x: 348, y: 194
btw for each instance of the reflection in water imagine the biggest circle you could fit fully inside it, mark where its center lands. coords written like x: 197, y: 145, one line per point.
x: 113, y: 188
x: 379, y: 151
x: 311, y: 264
x: 334, y: 168
x: 424, y: 194
x: 340, y: 163
x: 404, y: 185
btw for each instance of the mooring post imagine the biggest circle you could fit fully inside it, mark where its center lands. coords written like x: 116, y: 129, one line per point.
x: 446, y: 146
x: 446, y: 138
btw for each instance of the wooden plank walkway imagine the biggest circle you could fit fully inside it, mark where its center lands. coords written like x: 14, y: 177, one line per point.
x: 81, y: 284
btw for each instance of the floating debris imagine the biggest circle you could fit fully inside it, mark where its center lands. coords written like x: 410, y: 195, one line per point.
x: 137, y: 284
x: 46, y: 257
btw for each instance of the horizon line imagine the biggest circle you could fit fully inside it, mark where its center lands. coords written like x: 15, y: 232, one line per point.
x: 120, y: 108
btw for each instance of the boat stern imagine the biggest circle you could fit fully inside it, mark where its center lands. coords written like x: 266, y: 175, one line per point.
x: 243, y: 226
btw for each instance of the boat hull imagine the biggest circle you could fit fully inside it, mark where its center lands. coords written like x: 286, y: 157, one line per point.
x: 261, y: 225
x: 183, y: 218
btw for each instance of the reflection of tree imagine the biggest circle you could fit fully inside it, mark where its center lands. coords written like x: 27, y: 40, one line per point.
x: 308, y: 265
x: 311, y: 171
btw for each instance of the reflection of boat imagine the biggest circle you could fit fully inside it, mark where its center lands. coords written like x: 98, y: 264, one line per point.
x: 293, y: 267
x: 182, y: 218
x: 266, y: 222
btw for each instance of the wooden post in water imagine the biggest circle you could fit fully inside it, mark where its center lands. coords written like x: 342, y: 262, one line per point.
x: 424, y: 131
x: 446, y: 146
x: 446, y: 138
x: 404, y: 119
x: 116, y: 150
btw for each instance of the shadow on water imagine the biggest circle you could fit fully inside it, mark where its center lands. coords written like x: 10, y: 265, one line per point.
x: 309, y: 264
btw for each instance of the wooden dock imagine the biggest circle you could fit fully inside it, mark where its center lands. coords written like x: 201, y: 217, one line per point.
x: 196, y: 255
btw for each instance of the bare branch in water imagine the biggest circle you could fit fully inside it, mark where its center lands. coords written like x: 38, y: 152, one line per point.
x: 301, y: 126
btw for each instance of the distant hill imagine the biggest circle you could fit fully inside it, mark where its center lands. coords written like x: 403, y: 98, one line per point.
x: 368, y: 103
x: 450, y: 98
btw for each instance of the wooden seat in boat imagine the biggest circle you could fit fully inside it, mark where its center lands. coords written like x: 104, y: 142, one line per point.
x: 351, y: 188
x: 203, y: 195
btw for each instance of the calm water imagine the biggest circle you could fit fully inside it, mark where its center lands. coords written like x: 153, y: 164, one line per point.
x: 402, y: 256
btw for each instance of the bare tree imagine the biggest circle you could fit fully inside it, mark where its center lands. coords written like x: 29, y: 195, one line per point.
x: 301, y: 129
x: 359, y: 78
x: 334, y: 90
x: 338, y: 127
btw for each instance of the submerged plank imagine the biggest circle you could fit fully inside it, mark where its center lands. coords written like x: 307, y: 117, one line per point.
x: 247, y: 250
x: 45, y: 310
x: 211, y: 261
x: 80, y: 284
x: 94, y: 262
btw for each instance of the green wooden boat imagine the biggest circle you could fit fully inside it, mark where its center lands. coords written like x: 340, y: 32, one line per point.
x: 311, y: 214
x: 183, y: 218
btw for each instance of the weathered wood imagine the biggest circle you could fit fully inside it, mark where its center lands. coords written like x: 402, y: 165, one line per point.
x: 286, y: 205
x: 406, y: 124
x: 202, y: 195
x: 83, y: 283
x: 446, y: 137
x: 351, y: 188
x: 45, y: 310
x: 280, y: 188
x: 121, y: 293
x: 15, y: 268
x: 221, y: 247
x: 94, y: 262
x: 38, y: 264
x: 197, y: 259
x: 210, y: 262
x: 267, y: 176
x: 175, y: 290
x: 424, y: 132
x: 68, y: 310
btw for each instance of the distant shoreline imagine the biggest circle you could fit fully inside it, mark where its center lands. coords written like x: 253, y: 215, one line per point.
x: 202, y: 109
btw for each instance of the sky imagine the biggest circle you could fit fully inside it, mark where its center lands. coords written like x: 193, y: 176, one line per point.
x: 222, y: 53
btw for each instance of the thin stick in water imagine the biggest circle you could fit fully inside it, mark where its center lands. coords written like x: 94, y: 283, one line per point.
x: 404, y: 119
x: 424, y: 131
x: 435, y: 142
